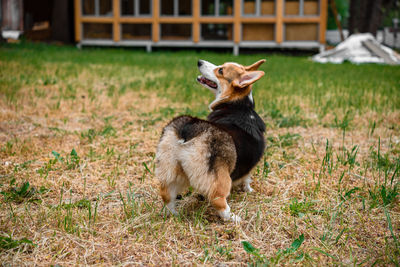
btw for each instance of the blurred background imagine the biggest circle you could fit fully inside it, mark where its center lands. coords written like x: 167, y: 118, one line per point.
x: 300, y: 24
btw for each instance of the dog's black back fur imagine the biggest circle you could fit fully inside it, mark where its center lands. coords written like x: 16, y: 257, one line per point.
x: 247, y: 130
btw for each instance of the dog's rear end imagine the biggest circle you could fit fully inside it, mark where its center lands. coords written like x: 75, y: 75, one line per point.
x: 195, y: 152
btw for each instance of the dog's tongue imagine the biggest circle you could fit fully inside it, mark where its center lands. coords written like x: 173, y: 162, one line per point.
x: 208, y: 82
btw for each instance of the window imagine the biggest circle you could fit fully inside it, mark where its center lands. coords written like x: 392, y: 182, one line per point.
x: 135, y: 8
x: 97, y: 7
x: 258, y: 7
x: 311, y: 7
x: 176, y: 32
x: 258, y: 32
x: 301, y: 7
x: 292, y: 7
x: 176, y: 8
x: 97, y: 31
x: 136, y: 31
x: 301, y: 32
x: 88, y: 7
x: 267, y: 7
x: 216, y: 32
x: 217, y: 7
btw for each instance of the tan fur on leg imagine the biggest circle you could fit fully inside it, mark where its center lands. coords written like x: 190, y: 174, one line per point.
x: 168, y: 198
x: 177, y: 182
x: 220, y: 190
x: 165, y: 194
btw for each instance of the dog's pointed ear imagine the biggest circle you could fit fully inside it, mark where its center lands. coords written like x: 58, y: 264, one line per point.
x: 255, y: 66
x: 248, y: 78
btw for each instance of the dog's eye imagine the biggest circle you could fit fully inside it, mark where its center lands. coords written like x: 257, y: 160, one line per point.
x: 220, y: 71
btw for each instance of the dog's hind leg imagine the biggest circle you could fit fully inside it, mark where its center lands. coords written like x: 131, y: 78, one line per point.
x: 219, y: 192
x: 171, y: 187
x: 168, y: 194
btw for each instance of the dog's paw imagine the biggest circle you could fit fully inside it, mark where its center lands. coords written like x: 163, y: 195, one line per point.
x: 169, y: 210
x: 247, y: 188
x: 235, y: 218
x: 169, y: 213
x: 246, y: 184
x: 228, y: 216
x: 231, y: 217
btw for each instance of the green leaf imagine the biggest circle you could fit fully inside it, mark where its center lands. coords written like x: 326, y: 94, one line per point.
x: 297, y: 243
x: 73, y: 153
x: 299, y: 257
x: 146, y: 167
x: 23, y: 189
x: 248, y: 247
x: 389, y: 221
x: 323, y: 252
x: 9, y: 243
x: 57, y: 156
x: 350, y: 192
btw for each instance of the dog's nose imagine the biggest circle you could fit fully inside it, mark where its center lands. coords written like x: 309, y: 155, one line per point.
x: 199, y: 63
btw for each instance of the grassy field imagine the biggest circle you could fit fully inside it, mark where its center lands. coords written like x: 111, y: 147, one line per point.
x: 78, y: 133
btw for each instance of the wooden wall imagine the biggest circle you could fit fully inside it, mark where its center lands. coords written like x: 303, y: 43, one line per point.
x: 278, y: 21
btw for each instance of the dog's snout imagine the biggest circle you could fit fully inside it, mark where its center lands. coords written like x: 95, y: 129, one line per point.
x: 199, y: 63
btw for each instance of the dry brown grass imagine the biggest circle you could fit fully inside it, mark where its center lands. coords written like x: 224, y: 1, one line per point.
x: 338, y: 229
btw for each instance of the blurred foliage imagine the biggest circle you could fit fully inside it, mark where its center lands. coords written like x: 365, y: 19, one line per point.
x: 342, y: 7
x: 391, y: 14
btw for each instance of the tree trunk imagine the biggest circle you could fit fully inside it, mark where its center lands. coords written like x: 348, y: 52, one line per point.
x: 354, y: 4
x: 62, y: 21
x: 376, y: 15
x: 367, y: 15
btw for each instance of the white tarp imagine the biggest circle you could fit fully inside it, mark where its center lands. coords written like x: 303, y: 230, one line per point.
x: 359, y: 48
x: 11, y: 34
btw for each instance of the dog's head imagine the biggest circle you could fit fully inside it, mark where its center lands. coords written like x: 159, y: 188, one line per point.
x: 229, y: 82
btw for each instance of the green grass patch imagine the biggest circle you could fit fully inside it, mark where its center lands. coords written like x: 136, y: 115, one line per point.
x: 25, y: 192
x: 324, y: 88
x: 7, y: 242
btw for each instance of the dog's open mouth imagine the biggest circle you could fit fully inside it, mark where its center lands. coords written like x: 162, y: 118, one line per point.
x: 209, y: 83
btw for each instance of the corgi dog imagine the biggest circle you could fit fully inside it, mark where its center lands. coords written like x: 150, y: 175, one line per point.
x: 214, y: 154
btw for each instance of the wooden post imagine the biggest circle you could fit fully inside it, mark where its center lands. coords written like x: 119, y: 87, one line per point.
x: 21, y: 15
x: 116, y: 23
x: 236, y: 20
x: 196, y: 21
x: 279, y: 21
x: 78, y: 12
x: 156, y: 20
x: 323, y: 18
x: 335, y: 14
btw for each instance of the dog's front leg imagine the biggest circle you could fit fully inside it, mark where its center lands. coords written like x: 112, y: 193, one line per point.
x: 246, y: 184
x: 227, y: 215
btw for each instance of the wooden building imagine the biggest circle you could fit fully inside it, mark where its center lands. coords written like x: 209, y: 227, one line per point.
x: 201, y: 23
x: 38, y: 20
